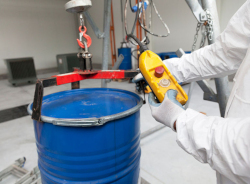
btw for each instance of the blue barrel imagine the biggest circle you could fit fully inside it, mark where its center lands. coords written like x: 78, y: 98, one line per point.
x: 127, y: 61
x: 89, y: 136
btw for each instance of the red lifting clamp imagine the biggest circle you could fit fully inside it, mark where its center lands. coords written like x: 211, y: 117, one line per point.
x: 87, y: 37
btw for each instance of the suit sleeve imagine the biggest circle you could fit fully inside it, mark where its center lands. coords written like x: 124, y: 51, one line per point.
x: 223, y: 143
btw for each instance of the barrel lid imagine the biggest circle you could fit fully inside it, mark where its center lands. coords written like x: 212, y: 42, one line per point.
x: 88, y: 107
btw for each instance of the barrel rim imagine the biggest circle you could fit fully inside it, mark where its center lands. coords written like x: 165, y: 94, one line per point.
x: 89, y: 122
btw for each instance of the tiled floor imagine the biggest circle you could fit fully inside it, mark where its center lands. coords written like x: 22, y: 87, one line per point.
x: 162, y: 161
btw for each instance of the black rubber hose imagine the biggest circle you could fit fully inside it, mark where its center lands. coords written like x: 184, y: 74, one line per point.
x: 142, y: 47
x: 136, y: 18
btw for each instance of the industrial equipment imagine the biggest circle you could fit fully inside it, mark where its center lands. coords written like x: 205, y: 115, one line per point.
x: 83, y: 73
x: 78, y: 6
x: 21, y: 70
x: 159, y: 77
x: 62, y: 119
x: 15, y: 169
x: 100, y: 115
x: 67, y: 62
x: 24, y: 176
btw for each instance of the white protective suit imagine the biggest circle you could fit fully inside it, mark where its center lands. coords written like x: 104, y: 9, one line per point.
x: 223, y: 143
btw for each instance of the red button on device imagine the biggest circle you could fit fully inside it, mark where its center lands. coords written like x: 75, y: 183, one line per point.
x: 159, y: 71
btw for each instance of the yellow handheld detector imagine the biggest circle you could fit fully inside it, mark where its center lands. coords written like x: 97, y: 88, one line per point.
x: 158, y: 77
x: 157, y: 74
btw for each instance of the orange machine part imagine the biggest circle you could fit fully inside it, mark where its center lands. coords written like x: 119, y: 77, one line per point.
x: 112, y: 37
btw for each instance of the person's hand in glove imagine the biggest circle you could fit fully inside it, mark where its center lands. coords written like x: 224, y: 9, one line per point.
x: 168, y: 111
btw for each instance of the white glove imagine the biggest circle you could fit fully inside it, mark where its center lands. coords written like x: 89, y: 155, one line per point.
x: 168, y: 111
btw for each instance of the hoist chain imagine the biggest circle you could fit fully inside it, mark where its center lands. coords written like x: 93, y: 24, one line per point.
x: 196, y: 36
x: 207, y: 32
x: 210, y: 30
x: 204, y: 35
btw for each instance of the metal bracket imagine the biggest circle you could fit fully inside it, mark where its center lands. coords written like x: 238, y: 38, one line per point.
x: 117, y: 65
x: 180, y: 52
x: 197, y: 10
x: 38, y: 98
x: 97, y: 31
x: 32, y: 177
x: 209, y: 94
x: 78, y: 6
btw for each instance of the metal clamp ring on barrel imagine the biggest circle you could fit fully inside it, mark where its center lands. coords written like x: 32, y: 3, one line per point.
x: 88, y: 122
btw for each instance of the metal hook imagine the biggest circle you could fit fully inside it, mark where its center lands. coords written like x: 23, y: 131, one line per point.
x: 87, y: 37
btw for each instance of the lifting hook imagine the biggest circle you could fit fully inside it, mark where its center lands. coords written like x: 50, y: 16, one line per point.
x: 87, y: 37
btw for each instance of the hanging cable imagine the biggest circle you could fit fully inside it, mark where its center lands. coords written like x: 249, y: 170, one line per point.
x: 132, y: 53
x: 145, y: 39
x: 136, y: 18
x: 144, y: 17
x: 130, y: 5
x: 141, y: 14
x: 165, y: 25
x: 125, y: 17
x: 150, y: 15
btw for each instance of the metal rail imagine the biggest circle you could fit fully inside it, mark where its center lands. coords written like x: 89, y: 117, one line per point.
x: 32, y: 177
x: 106, y: 40
x: 14, y: 169
x: 25, y: 177
x: 96, y: 30
x: 105, y: 35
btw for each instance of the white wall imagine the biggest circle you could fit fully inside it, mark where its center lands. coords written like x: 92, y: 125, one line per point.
x: 228, y: 9
x: 181, y: 23
x: 96, y: 11
x: 39, y: 29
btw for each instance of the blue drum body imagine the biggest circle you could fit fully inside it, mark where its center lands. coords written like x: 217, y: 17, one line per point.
x: 70, y: 150
x: 127, y: 61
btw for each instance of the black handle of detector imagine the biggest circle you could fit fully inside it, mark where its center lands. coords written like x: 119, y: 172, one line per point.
x: 142, y: 47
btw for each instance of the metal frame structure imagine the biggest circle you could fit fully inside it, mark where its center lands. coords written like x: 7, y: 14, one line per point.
x: 106, y: 40
x: 25, y: 177
x: 32, y: 177
x: 105, y: 35
x: 15, y: 169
